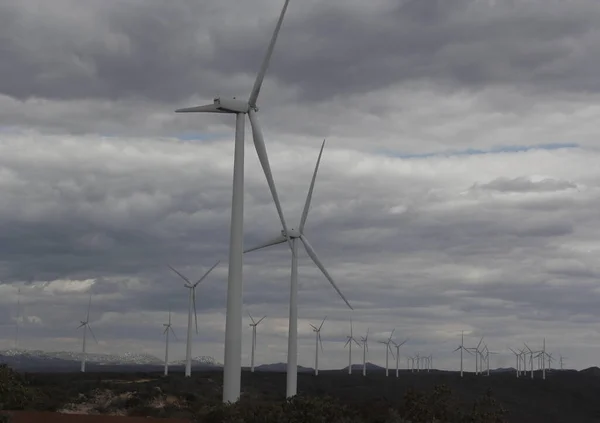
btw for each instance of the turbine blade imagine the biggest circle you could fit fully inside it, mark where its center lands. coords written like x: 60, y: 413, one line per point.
x: 261, y: 319
x: 313, y: 255
x: 251, y: 317
x: 261, y: 151
x: 265, y: 64
x: 480, y: 341
x: 173, y: 332
x: 403, y: 342
x: 195, y: 313
x: 320, y: 341
x: 347, y: 342
x: 310, y: 192
x: 356, y: 342
x: 391, y: 352
x: 92, y: 332
x: 391, y: 334
x: 166, y: 329
x: 279, y: 240
x: 88, y: 310
x: 81, y: 325
x: 322, y: 323
x: 208, y: 108
x: 313, y: 326
x: 456, y: 349
x: 180, y: 275
x: 207, y: 272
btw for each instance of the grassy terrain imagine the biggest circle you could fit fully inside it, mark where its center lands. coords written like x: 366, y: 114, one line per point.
x: 330, y: 397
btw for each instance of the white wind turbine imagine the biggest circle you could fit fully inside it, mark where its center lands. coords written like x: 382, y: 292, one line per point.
x: 517, y: 357
x: 530, y: 359
x: 293, y: 235
x: 348, y: 343
x: 318, y: 342
x: 17, y: 319
x: 191, y: 308
x: 388, y: 349
x: 462, y: 348
x: 253, y: 325
x: 364, y: 341
x: 397, y: 346
x: 477, y: 354
x: 86, y: 325
x: 232, y: 371
x: 168, y: 328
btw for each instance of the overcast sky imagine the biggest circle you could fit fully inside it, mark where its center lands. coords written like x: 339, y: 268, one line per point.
x: 459, y: 188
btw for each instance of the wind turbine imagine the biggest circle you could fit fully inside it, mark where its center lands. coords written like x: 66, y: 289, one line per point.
x: 17, y: 319
x: 232, y: 371
x: 398, y: 353
x: 86, y: 325
x: 318, y: 342
x: 191, y: 306
x: 462, y: 348
x: 530, y: 359
x: 487, y: 358
x: 388, y: 349
x: 477, y: 354
x: 168, y: 328
x: 253, y: 325
x: 349, y: 345
x: 293, y: 235
x: 518, y: 368
x: 364, y: 341
x: 562, y: 361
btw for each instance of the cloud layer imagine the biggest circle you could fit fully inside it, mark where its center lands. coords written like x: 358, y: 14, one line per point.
x: 433, y: 210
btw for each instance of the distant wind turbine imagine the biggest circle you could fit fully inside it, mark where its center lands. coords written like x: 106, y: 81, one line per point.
x: 348, y: 344
x: 168, y: 328
x: 364, y: 341
x: 517, y: 357
x: 388, y: 349
x: 318, y: 342
x: 477, y: 356
x: 86, y: 325
x: 232, y: 372
x: 294, y: 235
x: 253, y: 325
x: 397, y: 346
x: 17, y: 319
x: 462, y: 348
x: 191, y: 307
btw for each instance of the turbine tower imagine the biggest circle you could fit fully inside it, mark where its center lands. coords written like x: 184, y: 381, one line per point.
x: 398, y: 353
x: 530, y: 359
x: 318, y: 342
x: 293, y: 235
x: 168, y: 328
x: 388, y: 349
x: 364, y: 341
x: 517, y: 357
x: 86, y: 325
x: 477, y: 355
x: 253, y: 325
x: 232, y: 371
x: 191, y: 308
x: 348, y: 343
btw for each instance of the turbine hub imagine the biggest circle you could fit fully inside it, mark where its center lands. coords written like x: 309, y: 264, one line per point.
x: 292, y: 233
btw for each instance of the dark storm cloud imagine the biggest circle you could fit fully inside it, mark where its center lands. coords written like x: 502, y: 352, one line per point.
x: 166, y: 52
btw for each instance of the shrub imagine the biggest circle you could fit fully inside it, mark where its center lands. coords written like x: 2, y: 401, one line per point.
x: 14, y: 393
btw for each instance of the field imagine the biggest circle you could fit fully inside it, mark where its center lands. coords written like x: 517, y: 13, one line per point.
x: 334, y: 396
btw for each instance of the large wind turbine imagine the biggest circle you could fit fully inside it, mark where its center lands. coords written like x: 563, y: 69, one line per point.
x: 477, y: 354
x: 191, y: 307
x: 388, y: 349
x: 518, y: 359
x: 168, y: 328
x: 462, y: 348
x: 364, y: 341
x: 348, y: 344
x: 318, y: 342
x: 397, y: 346
x: 86, y: 325
x: 293, y: 235
x: 232, y: 371
x: 253, y: 325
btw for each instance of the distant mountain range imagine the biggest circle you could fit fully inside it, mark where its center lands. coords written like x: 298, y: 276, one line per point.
x: 370, y: 367
x: 37, y: 360
x: 280, y: 368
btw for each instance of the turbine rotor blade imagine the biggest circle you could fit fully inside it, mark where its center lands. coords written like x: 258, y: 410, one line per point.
x: 322, y: 323
x: 391, y: 334
x: 207, y: 272
x: 261, y: 151
x: 279, y: 240
x: 195, y: 313
x: 180, y: 275
x: 314, y: 327
x: 320, y: 341
x: 173, y: 332
x: 310, y: 192
x: 208, y: 108
x: 261, y: 319
x: 265, y: 64
x: 347, y: 342
x: 251, y: 317
x: 88, y: 310
x: 313, y: 255
x: 92, y: 332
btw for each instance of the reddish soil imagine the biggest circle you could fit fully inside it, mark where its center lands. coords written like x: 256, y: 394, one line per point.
x: 49, y: 417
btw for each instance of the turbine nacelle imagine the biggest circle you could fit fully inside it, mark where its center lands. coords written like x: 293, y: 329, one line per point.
x: 292, y: 233
x: 232, y: 105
